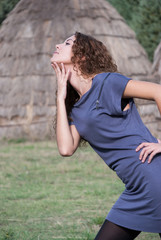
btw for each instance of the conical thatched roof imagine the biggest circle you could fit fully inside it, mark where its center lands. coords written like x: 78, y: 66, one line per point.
x: 156, y: 68
x: 156, y: 71
x: 27, y: 41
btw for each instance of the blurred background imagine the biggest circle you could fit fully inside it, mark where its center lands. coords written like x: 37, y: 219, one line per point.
x: 28, y: 34
x: 44, y: 196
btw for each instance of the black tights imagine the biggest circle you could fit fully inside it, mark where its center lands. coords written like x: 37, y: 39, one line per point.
x: 111, y: 231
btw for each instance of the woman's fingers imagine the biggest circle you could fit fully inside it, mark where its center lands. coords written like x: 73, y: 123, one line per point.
x: 144, y: 144
x: 60, y: 71
x: 151, y: 156
x: 148, y: 150
x: 144, y: 154
x: 54, y: 67
x: 57, y: 70
x: 62, y: 78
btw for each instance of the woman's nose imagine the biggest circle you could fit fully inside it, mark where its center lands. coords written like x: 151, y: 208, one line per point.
x: 57, y: 46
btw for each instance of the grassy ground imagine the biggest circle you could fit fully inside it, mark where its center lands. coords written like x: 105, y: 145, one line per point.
x: 44, y: 196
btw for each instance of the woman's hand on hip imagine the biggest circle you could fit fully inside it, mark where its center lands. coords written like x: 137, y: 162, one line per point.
x: 62, y: 78
x: 148, y: 150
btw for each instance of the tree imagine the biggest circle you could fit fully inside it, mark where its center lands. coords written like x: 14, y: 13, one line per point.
x: 144, y: 17
x: 5, y: 7
x: 147, y: 25
x: 126, y: 8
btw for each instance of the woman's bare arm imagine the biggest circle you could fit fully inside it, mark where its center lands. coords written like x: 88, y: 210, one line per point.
x: 67, y: 136
x: 150, y: 91
x: 144, y: 90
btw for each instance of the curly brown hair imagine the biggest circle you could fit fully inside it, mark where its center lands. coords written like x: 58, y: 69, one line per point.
x: 90, y: 57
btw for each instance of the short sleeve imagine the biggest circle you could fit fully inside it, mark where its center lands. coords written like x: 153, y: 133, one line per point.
x: 113, y: 90
x: 70, y: 119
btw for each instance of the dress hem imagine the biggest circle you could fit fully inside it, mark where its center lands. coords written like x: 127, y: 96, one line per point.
x: 134, y: 222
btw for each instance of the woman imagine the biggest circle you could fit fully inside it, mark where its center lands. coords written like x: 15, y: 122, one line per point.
x: 95, y: 103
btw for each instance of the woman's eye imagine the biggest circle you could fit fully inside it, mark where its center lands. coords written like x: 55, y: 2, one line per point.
x: 67, y: 43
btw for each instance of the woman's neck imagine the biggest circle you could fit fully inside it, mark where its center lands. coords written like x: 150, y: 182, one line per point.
x: 79, y: 83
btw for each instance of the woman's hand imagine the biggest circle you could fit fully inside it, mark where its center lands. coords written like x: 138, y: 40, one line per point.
x: 148, y: 150
x: 62, y: 78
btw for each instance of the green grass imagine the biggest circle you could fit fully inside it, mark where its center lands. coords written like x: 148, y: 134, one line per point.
x: 44, y: 196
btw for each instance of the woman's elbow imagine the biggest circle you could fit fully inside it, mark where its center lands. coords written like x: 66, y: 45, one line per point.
x: 66, y: 152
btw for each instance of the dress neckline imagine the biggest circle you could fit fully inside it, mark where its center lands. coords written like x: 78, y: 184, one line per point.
x: 95, y: 79
x: 86, y: 93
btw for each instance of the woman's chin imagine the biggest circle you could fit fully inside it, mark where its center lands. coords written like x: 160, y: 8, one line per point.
x: 53, y: 59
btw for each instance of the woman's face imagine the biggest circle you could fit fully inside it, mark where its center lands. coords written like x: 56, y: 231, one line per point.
x: 63, y: 51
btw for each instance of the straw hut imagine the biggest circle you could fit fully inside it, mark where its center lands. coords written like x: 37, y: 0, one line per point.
x: 156, y: 71
x: 27, y: 41
x: 156, y: 68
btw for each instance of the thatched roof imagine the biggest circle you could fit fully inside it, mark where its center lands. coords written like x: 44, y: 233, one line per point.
x: 156, y: 71
x: 27, y: 41
x: 156, y: 68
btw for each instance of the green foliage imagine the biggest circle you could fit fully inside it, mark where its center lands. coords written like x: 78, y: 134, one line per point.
x: 126, y: 8
x: 144, y: 17
x: 5, y: 7
x: 147, y: 25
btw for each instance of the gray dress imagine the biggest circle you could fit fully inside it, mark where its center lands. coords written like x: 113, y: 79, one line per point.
x: 114, y: 134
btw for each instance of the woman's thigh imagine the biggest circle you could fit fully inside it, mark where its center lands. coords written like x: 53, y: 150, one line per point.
x: 111, y: 231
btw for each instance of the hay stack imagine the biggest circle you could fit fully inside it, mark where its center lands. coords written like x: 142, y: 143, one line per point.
x: 27, y: 41
x: 156, y: 71
x: 156, y: 68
